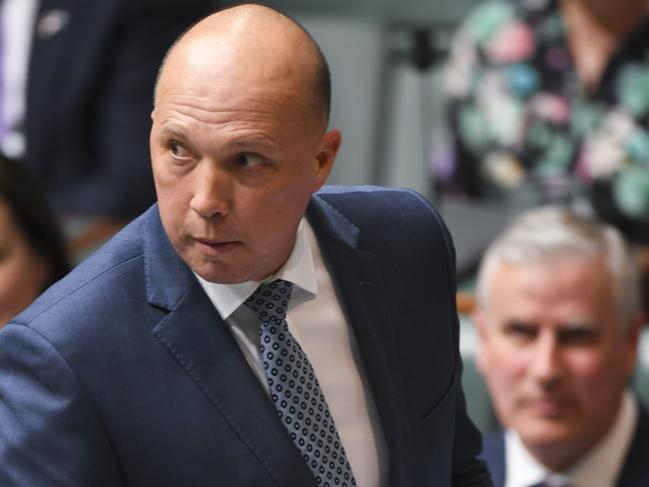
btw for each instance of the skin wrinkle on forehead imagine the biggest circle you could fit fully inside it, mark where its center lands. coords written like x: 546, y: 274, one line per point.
x: 188, y: 105
x: 180, y: 117
x: 207, y: 105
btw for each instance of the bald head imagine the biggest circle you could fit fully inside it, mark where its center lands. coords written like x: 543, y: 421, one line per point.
x: 256, y: 46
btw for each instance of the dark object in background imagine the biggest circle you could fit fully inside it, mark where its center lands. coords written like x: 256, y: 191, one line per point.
x: 23, y: 194
x: 32, y: 254
x: 89, y: 99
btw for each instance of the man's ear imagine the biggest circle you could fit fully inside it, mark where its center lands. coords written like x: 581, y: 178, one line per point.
x: 327, y: 150
x: 479, y: 318
x: 632, y: 338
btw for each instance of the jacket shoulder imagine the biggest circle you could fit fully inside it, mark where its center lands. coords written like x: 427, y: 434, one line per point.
x: 96, y: 276
x: 388, y: 215
x: 365, y: 206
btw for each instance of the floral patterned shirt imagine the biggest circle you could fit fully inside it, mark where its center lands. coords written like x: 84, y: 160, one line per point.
x: 520, y: 116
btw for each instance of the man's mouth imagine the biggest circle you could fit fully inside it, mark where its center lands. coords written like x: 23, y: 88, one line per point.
x: 547, y: 407
x: 216, y: 247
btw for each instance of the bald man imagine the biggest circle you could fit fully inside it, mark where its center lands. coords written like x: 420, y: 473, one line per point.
x: 250, y: 329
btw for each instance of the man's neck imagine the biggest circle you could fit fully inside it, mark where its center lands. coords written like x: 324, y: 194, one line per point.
x: 561, y: 456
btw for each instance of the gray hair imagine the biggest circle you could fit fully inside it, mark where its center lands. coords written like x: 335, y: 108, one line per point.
x: 552, y: 233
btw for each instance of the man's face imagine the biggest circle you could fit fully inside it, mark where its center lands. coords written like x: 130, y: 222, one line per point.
x: 235, y: 162
x: 553, y: 355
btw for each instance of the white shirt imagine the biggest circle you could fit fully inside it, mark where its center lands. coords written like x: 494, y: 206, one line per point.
x: 317, y: 322
x: 17, y: 27
x: 600, y: 468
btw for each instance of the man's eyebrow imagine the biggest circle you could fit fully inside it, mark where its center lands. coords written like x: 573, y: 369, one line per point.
x: 253, y: 140
x: 579, y: 324
x: 517, y: 322
x: 173, y: 131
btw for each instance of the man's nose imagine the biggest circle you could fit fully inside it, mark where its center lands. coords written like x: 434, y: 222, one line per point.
x: 212, y: 190
x: 545, y: 363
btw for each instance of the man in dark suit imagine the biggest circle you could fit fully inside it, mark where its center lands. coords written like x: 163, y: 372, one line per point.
x: 90, y: 75
x: 558, y: 325
x: 223, y: 338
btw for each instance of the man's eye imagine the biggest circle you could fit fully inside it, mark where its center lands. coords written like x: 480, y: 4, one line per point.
x: 178, y: 150
x: 579, y: 335
x: 249, y: 160
x: 520, y: 331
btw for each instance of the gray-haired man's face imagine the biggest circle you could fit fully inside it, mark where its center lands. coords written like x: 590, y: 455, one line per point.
x: 553, y: 355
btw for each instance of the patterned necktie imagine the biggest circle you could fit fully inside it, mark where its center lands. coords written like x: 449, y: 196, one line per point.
x: 295, y: 390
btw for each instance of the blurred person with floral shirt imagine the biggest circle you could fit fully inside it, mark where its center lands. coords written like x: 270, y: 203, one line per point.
x: 552, y: 96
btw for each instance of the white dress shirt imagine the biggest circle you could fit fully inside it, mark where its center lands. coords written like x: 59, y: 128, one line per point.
x: 600, y: 468
x: 316, y: 320
x: 16, y: 28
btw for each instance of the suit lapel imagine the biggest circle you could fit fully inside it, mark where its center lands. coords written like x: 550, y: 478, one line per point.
x: 199, y: 340
x: 355, y: 274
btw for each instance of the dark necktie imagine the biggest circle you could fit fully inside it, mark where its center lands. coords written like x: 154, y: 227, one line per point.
x: 295, y: 390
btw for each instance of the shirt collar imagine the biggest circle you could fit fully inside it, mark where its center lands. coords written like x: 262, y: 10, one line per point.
x: 601, y: 466
x: 299, y: 269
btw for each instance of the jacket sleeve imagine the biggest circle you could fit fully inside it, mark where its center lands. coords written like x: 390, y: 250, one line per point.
x: 50, y: 431
x: 467, y: 468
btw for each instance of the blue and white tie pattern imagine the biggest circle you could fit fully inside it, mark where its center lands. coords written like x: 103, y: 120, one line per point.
x: 295, y: 390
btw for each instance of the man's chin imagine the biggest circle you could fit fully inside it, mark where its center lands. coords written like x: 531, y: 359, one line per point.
x: 545, y: 432
x: 223, y: 276
x: 218, y: 271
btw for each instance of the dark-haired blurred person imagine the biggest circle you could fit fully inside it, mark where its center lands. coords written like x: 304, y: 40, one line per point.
x: 32, y: 254
x: 76, y: 95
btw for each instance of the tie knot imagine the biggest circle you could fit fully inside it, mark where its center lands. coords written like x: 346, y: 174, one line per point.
x: 270, y: 300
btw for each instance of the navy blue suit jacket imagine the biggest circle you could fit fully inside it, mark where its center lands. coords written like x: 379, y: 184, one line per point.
x: 123, y: 373
x: 89, y: 99
x: 635, y: 470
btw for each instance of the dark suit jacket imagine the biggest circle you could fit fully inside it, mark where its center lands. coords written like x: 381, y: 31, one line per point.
x: 123, y: 373
x: 635, y: 470
x: 89, y: 99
